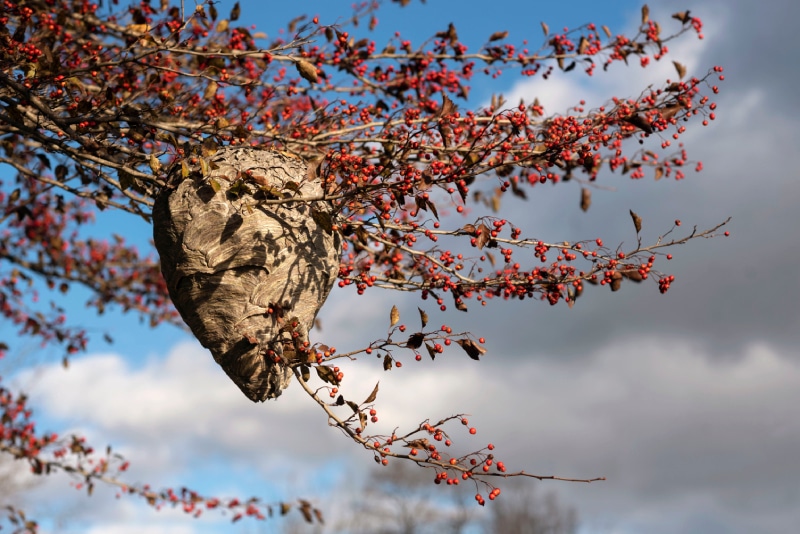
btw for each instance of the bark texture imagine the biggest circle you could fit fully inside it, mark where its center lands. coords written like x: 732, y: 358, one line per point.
x: 247, y: 277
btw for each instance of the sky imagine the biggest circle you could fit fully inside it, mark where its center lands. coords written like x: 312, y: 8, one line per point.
x: 685, y: 402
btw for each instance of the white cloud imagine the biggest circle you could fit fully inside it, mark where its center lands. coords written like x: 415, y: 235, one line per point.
x: 674, y: 431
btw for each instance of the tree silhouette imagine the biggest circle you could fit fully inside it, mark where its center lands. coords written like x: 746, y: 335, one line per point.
x: 367, y: 153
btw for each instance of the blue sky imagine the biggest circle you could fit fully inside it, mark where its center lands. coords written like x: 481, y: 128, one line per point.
x: 683, y: 401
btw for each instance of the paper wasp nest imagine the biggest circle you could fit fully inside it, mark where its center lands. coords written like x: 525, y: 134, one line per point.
x: 248, y: 277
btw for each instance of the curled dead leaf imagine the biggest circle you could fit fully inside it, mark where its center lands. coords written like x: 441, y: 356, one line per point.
x: 616, y: 281
x: 421, y: 443
x: 155, y: 165
x: 682, y: 16
x: 211, y: 90
x: 431, y: 351
x: 327, y: 375
x: 637, y: 221
x: 484, y: 236
x: 586, y: 198
x: 632, y: 274
x: 415, y: 340
x: 640, y: 122
x: 584, y: 45
x: 373, y: 395
x: 305, y: 509
x: 447, y: 108
x: 472, y: 349
x: 680, y: 68
x: 307, y: 70
x: 423, y: 317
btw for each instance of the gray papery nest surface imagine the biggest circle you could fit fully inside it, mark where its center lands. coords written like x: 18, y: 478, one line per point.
x: 248, y: 277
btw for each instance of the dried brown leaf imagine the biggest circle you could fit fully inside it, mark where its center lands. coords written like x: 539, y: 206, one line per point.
x: 616, y: 281
x: 640, y: 122
x: 472, y: 349
x: 637, y: 221
x: 307, y: 70
x: 373, y: 395
x: 323, y: 219
x: 431, y: 351
x: 680, y: 68
x: 669, y: 112
x: 682, y: 16
x: 447, y: 108
x: 632, y: 274
x: 415, y: 340
x: 209, y: 147
x: 423, y: 317
x: 586, y: 198
x: 211, y: 90
x: 155, y: 165
x: 583, y: 46
x: 305, y: 509
x: 421, y: 443
x: 394, y: 316
x: 497, y: 36
x: 327, y: 375
x: 484, y: 236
